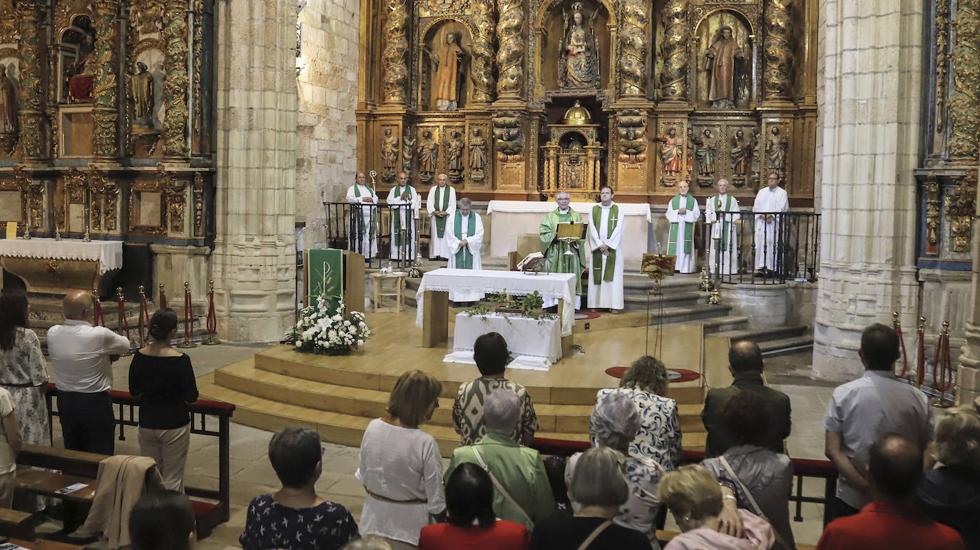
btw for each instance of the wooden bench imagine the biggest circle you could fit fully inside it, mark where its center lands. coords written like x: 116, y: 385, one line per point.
x: 14, y: 523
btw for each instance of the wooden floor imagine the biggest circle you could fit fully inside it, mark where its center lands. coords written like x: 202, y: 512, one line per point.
x: 338, y: 396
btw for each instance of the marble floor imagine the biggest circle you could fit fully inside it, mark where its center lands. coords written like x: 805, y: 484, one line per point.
x: 252, y: 475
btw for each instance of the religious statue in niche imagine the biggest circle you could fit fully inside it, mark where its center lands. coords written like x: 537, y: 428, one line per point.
x: 141, y: 88
x: 704, y: 157
x: 724, y: 60
x: 428, y: 155
x: 408, y: 150
x: 8, y: 111
x: 454, y: 152
x: 776, y: 146
x: 578, y: 66
x: 82, y: 75
x: 671, y: 149
x: 478, y: 155
x: 740, y: 155
x: 389, y: 156
x: 447, y: 73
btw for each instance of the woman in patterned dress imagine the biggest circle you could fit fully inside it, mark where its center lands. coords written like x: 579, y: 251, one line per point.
x: 659, y: 437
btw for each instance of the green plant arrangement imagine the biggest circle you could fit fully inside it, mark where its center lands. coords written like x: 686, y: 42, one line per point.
x: 530, y: 306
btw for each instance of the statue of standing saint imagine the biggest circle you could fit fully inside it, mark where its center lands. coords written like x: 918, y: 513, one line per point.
x: 141, y: 87
x: 8, y: 103
x: 579, y: 63
x: 428, y: 153
x: 721, y: 69
x: 389, y: 156
x: 478, y: 155
x: 454, y: 152
x: 446, y: 69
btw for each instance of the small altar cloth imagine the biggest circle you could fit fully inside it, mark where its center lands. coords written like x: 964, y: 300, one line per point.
x: 533, y: 343
x: 107, y: 253
x: 556, y: 286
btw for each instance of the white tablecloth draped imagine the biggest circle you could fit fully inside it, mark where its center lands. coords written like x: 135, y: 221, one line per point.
x: 534, y: 343
x: 584, y: 208
x: 557, y: 286
x: 107, y: 253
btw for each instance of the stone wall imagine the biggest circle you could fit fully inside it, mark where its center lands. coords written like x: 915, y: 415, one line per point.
x: 870, y: 103
x: 327, y: 86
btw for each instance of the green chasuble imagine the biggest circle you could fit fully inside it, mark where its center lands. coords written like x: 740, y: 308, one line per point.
x: 688, y: 237
x: 464, y: 258
x: 397, y: 215
x: 724, y: 206
x: 555, y: 259
x: 442, y: 204
x: 610, y: 272
x: 360, y: 219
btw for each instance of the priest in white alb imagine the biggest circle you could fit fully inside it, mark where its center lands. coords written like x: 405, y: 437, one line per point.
x: 464, y: 237
x: 682, y: 213
x: 363, y: 233
x: 721, y: 212
x: 606, y: 225
x: 770, y: 205
x: 404, y: 234
x: 440, y: 204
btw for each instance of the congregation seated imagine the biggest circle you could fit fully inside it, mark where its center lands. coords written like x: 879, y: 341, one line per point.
x: 400, y: 465
x: 891, y: 520
x: 600, y: 489
x: 295, y: 516
x: 472, y: 523
x: 491, y: 356
x: 746, y: 365
x: 760, y: 479
x: 950, y: 491
x: 865, y: 409
x: 523, y: 493
x: 695, y: 499
x: 162, y: 378
x: 659, y: 435
x: 162, y: 520
x: 614, y: 424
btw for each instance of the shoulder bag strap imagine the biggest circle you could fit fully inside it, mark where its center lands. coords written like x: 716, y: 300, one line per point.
x: 748, y: 495
x: 499, y: 486
x: 595, y: 534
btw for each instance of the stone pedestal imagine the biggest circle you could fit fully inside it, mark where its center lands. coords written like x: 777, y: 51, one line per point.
x: 766, y: 306
x: 175, y: 265
x: 870, y: 102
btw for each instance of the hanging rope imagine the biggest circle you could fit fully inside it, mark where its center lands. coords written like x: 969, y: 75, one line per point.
x: 920, y: 368
x: 99, y: 320
x: 901, y: 343
x: 123, y: 322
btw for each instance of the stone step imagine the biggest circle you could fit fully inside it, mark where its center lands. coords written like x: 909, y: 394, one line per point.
x: 786, y: 346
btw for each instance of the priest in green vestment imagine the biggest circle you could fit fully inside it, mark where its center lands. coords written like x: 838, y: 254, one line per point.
x: 404, y: 230
x: 440, y: 204
x: 554, y: 250
x: 682, y: 213
x: 464, y: 238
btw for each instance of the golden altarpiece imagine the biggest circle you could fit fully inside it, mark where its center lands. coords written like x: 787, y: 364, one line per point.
x: 106, y: 111
x: 670, y: 89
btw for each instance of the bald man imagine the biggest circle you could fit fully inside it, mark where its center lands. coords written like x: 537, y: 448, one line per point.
x: 81, y: 360
x: 363, y: 231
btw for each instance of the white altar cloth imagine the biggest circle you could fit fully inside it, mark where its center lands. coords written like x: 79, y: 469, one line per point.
x: 512, y: 219
x: 557, y: 286
x: 533, y: 343
x: 107, y: 253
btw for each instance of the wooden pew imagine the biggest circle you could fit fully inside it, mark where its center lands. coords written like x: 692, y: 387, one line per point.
x: 14, y: 523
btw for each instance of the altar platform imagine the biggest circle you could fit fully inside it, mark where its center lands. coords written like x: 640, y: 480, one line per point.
x: 338, y: 396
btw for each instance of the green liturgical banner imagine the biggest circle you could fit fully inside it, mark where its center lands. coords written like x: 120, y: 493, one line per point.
x: 325, y: 276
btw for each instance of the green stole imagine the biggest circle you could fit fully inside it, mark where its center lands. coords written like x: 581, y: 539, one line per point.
x: 725, y: 224
x: 598, y: 274
x: 675, y: 203
x: 397, y: 214
x: 360, y: 217
x: 441, y: 221
x: 464, y: 258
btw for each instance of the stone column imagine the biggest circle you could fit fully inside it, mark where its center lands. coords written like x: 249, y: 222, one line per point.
x: 31, y: 133
x: 673, y: 76
x: 105, y: 87
x: 870, y: 101
x: 175, y: 85
x: 394, y: 57
x: 254, y: 259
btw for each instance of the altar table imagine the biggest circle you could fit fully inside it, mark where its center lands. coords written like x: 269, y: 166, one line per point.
x: 534, y: 343
x: 54, y: 267
x: 433, y: 296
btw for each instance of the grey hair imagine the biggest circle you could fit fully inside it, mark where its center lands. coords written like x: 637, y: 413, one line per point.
x: 560, y: 193
x: 598, y: 479
x: 615, y: 420
x: 501, y: 411
x: 465, y: 202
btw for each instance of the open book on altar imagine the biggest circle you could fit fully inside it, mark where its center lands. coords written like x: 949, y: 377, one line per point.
x: 531, y: 262
x: 572, y: 230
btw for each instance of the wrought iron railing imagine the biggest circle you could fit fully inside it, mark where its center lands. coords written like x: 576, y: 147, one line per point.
x: 379, y: 232
x: 763, y: 248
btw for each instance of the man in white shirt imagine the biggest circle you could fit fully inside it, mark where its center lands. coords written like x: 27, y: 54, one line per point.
x: 440, y: 204
x: 606, y: 225
x: 363, y: 232
x: 865, y: 409
x: 81, y: 360
x: 771, y: 202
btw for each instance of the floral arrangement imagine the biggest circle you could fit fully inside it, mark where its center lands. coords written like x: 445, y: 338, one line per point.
x: 320, y: 330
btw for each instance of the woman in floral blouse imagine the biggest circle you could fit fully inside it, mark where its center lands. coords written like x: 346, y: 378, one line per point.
x: 660, y: 428
x: 22, y: 370
x: 294, y: 517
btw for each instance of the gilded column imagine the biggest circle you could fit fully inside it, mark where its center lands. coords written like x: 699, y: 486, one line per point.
x: 105, y: 87
x: 963, y: 105
x: 30, y: 82
x: 673, y: 76
x: 176, y: 81
x: 484, y: 84
x: 633, y: 48
x: 777, y: 50
x: 510, y: 56
x: 393, y: 58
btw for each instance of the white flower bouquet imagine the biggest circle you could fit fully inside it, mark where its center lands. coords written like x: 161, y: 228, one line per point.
x: 332, y: 333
